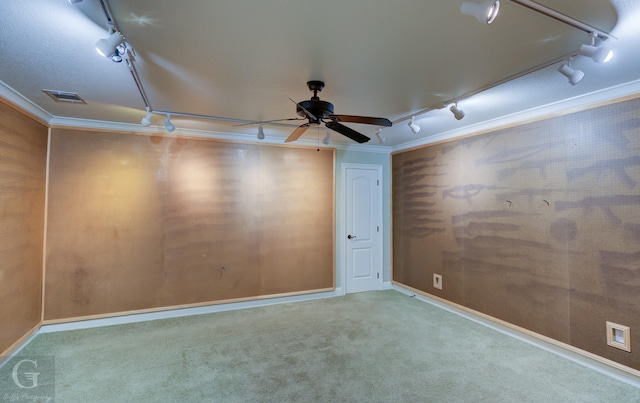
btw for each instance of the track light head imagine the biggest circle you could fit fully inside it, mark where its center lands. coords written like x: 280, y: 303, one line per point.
x: 573, y: 75
x: 107, y: 47
x: 599, y: 54
x: 260, y: 133
x: 379, y: 136
x: 146, y: 120
x: 484, y: 11
x: 168, y: 125
x: 120, y: 51
x: 414, y: 127
x: 457, y: 113
x: 327, y: 138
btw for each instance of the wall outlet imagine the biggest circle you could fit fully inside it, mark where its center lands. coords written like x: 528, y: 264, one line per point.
x: 437, y: 281
x: 619, y: 336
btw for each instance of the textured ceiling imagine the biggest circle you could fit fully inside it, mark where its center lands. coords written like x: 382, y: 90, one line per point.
x: 243, y: 60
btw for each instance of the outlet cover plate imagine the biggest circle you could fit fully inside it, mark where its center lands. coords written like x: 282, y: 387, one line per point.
x: 437, y: 281
x: 619, y: 336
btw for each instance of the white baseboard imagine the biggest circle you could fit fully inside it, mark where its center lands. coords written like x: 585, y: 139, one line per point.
x: 555, y: 347
x: 574, y: 354
x: 176, y: 313
x: 5, y: 357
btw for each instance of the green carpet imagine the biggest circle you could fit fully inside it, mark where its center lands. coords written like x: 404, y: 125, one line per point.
x: 378, y: 346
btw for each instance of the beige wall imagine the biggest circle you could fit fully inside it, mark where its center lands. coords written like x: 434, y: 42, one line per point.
x: 537, y: 225
x: 148, y: 222
x: 23, y: 160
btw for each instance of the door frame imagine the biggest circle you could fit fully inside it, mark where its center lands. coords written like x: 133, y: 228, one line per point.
x: 342, y: 228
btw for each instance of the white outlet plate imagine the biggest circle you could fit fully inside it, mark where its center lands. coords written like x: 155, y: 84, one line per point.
x: 437, y: 281
x: 619, y: 336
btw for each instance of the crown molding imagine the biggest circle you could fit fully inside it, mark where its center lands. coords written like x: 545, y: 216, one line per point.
x: 19, y: 101
x: 566, y: 105
x: 58, y: 121
x: 563, y: 106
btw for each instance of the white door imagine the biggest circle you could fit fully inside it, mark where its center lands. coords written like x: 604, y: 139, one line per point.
x: 362, y: 228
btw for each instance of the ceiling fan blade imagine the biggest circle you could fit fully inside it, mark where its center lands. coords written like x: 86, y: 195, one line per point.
x: 309, y: 114
x: 367, y: 120
x: 348, y: 132
x: 297, y: 133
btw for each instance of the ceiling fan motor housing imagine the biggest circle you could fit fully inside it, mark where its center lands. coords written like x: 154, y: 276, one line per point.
x: 319, y: 109
x: 317, y: 112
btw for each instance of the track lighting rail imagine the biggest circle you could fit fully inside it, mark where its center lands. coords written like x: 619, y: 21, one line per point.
x: 558, y: 16
x: 539, y: 8
x: 218, y: 118
x: 107, y: 13
x: 452, y: 101
x: 136, y: 78
x: 530, y: 4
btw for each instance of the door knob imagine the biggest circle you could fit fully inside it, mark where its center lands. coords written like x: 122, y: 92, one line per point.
x: 351, y: 236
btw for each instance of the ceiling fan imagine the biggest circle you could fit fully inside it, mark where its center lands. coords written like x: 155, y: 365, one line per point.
x: 317, y: 112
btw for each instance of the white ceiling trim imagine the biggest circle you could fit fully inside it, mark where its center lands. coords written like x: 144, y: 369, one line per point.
x: 57, y: 121
x: 23, y: 103
x: 563, y: 106
x: 582, y: 101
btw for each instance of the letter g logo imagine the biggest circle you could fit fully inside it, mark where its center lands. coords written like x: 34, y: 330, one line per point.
x: 32, y: 376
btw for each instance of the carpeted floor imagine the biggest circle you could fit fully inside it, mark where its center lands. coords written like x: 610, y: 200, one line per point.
x: 378, y: 346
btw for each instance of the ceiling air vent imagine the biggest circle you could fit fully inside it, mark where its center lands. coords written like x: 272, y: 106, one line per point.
x: 64, y: 96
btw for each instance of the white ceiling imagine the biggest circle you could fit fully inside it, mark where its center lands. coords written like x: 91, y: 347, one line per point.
x: 243, y: 60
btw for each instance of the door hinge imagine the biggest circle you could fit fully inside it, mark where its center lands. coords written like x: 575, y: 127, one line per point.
x: 377, y: 182
x: 378, y: 275
x: 378, y: 228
